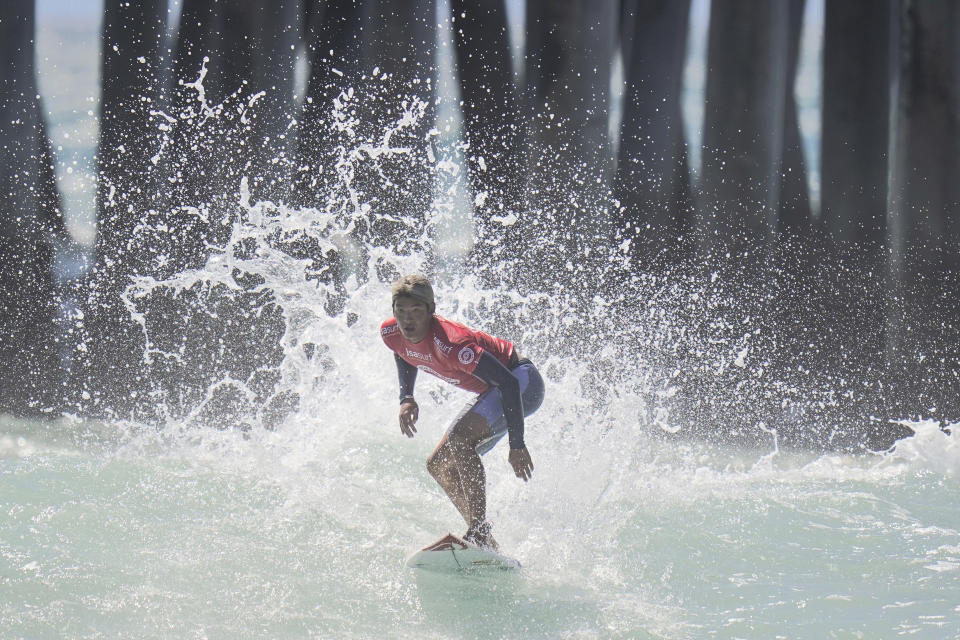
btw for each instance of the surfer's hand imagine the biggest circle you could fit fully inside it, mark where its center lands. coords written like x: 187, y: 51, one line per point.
x: 409, y: 412
x: 521, y: 463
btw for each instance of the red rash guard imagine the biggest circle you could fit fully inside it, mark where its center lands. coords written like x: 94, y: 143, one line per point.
x: 450, y: 351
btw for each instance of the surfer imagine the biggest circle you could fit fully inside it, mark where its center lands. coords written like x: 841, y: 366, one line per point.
x: 508, y: 388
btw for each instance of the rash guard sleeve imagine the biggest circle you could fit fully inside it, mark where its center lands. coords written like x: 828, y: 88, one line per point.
x: 492, y: 372
x: 407, y: 374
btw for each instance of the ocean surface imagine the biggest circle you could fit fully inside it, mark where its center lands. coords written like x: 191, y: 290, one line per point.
x: 631, y: 527
x: 110, y: 530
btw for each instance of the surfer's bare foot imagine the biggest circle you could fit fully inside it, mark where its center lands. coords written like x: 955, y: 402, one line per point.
x: 480, y: 535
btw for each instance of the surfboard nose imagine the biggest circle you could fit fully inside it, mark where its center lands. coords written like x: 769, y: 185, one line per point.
x: 449, y: 542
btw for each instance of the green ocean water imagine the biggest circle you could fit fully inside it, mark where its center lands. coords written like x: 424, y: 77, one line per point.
x: 109, y: 530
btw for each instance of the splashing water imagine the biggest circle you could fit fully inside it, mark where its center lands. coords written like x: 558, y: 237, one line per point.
x: 272, y: 495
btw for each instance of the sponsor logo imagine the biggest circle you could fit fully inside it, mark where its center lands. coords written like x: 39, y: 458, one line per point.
x: 389, y: 329
x: 434, y: 373
x: 466, y: 355
x: 445, y: 349
x: 426, y: 357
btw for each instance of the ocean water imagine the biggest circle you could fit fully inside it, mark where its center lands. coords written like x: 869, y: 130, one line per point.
x: 216, y: 520
x: 110, y: 530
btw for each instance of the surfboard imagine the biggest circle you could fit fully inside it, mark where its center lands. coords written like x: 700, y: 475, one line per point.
x: 451, y: 553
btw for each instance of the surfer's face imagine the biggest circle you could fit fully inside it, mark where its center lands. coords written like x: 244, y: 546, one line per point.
x: 413, y: 318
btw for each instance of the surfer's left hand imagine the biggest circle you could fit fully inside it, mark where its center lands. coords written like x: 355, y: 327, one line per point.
x: 521, y: 463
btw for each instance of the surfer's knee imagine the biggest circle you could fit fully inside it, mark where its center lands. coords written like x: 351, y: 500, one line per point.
x: 437, y: 462
x: 432, y: 467
x: 462, y: 447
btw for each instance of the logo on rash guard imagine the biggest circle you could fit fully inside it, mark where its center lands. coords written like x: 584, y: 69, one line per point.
x: 444, y: 348
x: 466, y: 355
x: 434, y: 373
x: 388, y: 330
x: 426, y: 357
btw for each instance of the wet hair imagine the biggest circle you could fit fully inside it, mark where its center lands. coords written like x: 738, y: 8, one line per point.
x: 414, y: 286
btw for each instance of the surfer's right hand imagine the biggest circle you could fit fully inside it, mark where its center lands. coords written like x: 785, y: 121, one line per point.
x: 409, y: 412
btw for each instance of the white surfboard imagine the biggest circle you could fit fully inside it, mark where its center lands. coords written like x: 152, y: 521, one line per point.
x: 451, y: 553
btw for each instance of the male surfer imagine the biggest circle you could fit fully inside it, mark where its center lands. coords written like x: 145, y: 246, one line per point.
x: 509, y: 388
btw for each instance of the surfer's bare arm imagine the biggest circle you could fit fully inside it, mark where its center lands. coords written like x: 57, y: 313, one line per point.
x: 492, y: 371
x: 409, y: 410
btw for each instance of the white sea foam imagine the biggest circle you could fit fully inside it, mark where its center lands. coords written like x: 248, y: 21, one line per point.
x: 930, y: 448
